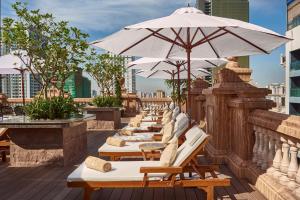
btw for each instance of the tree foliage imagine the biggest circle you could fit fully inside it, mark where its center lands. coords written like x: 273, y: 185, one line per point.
x: 53, y: 49
x: 106, y: 70
x: 174, y: 93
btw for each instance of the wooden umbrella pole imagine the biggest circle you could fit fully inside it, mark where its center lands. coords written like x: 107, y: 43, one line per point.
x: 178, y: 86
x: 22, y: 85
x: 173, y: 82
x: 188, y: 51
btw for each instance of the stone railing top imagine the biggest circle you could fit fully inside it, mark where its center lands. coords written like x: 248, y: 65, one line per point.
x: 282, y: 123
x: 165, y: 99
x: 94, y: 108
x: 26, y: 122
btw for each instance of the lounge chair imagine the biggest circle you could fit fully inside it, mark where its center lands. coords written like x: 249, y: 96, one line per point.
x: 131, y: 149
x: 148, y: 122
x: 181, y: 122
x: 128, y: 174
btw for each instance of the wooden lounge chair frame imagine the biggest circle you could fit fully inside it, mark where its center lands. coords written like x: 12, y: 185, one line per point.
x: 189, y: 165
x: 114, y: 156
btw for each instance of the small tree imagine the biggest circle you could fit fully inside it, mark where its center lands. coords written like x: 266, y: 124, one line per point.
x: 46, y: 47
x: 106, y: 70
x: 174, y: 94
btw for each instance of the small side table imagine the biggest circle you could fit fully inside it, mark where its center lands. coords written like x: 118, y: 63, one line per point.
x: 151, y: 149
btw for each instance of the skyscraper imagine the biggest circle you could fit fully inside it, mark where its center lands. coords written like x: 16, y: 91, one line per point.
x: 130, y: 78
x: 293, y: 58
x: 235, y: 9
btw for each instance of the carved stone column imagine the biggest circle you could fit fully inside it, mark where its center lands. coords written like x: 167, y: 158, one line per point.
x: 228, y: 106
x: 198, y: 99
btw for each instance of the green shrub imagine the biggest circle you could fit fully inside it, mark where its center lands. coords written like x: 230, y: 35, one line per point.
x: 107, y: 101
x: 53, y: 108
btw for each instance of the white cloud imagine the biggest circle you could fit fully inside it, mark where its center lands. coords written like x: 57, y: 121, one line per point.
x: 106, y: 15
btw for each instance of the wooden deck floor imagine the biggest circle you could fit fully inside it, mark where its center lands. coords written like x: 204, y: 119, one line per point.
x: 50, y: 184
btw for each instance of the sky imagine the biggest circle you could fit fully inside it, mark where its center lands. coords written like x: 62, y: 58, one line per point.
x: 100, y: 18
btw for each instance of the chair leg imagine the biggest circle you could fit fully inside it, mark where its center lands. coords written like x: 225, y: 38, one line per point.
x: 3, y: 156
x: 209, y: 192
x: 87, y: 193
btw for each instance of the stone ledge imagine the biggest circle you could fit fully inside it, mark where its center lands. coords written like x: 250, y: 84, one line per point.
x: 273, y: 190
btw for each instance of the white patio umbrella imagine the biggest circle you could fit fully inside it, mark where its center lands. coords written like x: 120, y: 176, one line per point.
x: 12, y: 64
x: 189, y: 33
x: 173, y: 66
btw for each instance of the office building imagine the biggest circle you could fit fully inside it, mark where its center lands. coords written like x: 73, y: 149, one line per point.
x: 278, y: 96
x: 236, y: 9
x: 129, y: 75
x: 12, y: 87
x: 293, y: 58
x: 78, y: 86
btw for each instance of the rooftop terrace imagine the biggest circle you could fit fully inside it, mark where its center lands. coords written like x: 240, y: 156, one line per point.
x: 50, y: 183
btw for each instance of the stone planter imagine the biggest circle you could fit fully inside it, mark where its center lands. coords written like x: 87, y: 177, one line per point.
x: 46, y: 142
x: 107, y: 118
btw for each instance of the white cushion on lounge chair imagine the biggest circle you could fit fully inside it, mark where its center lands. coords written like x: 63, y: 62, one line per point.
x: 137, y: 136
x: 135, y: 128
x: 176, y: 112
x: 147, y: 124
x: 186, y: 149
x: 130, y: 170
x: 129, y: 147
x: 181, y: 124
x: 121, y: 171
x: 172, y: 106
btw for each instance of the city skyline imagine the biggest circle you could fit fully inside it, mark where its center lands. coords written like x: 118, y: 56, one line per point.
x: 101, y: 19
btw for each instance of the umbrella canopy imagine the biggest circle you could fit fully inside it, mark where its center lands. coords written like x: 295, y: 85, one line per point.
x: 207, y: 36
x: 9, y: 63
x: 172, y: 64
x: 12, y: 64
x: 189, y: 33
x: 169, y: 75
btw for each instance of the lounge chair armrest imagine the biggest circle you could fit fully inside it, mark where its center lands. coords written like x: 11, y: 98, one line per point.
x: 157, y: 137
x: 171, y: 170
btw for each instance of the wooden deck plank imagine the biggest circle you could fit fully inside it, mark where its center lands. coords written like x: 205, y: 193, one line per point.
x: 179, y: 193
x: 169, y: 193
x: 137, y: 194
x: 28, y: 184
x: 190, y: 194
x: 126, y: 195
x: 158, y: 193
x: 148, y: 194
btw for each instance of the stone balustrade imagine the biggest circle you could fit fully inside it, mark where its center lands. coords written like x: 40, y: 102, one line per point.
x: 275, y: 154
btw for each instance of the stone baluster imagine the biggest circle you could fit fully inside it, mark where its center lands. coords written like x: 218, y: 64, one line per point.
x: 265, y: 152
x: 297, y: 191
x: 260, y: 149
x: 271, y: 154
x: 275, y: 170
x: 285, y: 162
x: 293, y: 167
x: 256, y: 145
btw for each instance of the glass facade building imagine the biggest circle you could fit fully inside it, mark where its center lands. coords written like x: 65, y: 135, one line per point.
x: 293, y: 58
x: 236, y: 9
x: 78, y: 86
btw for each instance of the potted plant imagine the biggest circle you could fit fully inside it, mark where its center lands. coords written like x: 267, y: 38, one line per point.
x: 107, y: 70
x: 53, y: 51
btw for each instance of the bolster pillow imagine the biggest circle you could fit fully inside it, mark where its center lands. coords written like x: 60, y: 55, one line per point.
x: 114, y: 141
x: 97, y: 164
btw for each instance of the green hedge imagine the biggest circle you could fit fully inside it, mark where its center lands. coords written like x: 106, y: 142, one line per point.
x: 107, y: 101
x: 53, y: 108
